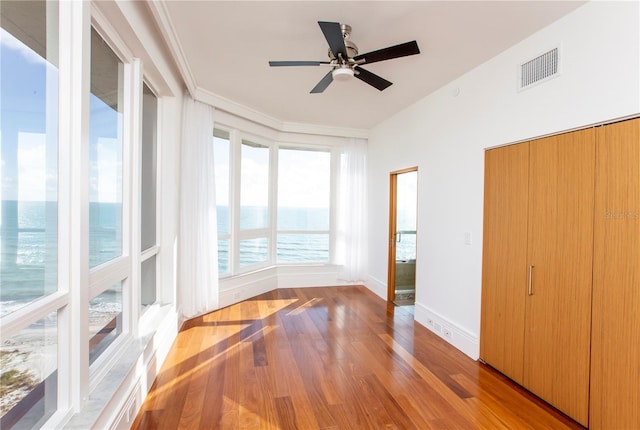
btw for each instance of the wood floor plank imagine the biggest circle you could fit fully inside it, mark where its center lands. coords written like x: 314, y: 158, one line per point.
x: 329, y: 358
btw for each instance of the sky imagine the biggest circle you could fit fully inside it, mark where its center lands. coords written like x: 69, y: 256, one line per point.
x: 303, y: 176
x: 28, y: 160
x: 28, y: 139
x: 29, y: 147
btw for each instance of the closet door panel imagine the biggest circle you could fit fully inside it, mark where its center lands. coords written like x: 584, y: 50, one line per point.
x: 560, y: 241
x: 504, y: 259
x: 615, y: 367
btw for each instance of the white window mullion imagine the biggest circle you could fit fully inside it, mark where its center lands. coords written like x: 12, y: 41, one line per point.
x: 159, y: 194
x: 273, y: 203
x: 333, y: 214
x: 73, y: 345
x: 131, y: 190
x: 234, y: 201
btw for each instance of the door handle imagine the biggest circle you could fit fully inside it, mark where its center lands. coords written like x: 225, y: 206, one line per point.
x: 530, y: 287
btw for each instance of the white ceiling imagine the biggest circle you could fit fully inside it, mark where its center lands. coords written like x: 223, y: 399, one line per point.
x: 226, y: 46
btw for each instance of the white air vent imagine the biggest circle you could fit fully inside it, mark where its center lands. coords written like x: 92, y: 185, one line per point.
x: 539, y: 69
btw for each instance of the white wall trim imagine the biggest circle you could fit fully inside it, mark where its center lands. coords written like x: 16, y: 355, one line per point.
x: 248, y: 285
x: 309, y: 276
x: 167, y: 29
x: 235, y: 108
x: 238, y: 288
x: 457, y: 336
x: 377, y: 286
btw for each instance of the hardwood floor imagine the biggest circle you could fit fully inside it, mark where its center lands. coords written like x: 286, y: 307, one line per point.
x: 329, y: 358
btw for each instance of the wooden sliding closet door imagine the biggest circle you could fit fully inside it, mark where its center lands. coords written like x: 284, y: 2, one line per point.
x: 558, y: 314
x: 615, y: 359
x: 505, y: 259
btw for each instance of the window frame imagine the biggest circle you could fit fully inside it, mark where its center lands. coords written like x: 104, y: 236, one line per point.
x: 230, y: 204
x: 237, y: 233
x: 57, y: 301
x: 102, y: 277
x: 237, y: 136
x: 154, y: 250
x: 77, y: 283
x: 328, y: 232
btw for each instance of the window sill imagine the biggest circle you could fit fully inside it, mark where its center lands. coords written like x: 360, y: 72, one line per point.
x: 111, y: 393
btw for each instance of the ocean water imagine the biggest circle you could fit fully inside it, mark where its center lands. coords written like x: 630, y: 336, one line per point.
x: 29, y: 240
x: 291, y: 248
x: 29, y: 249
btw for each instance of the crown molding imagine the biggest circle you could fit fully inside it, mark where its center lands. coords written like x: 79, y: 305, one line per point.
x: 167, y: 29
x: 240, y: 110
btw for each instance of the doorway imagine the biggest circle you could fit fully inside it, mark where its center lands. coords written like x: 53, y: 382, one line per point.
x: 403, y: 205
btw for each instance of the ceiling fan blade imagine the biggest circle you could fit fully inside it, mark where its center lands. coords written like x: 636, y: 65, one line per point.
x: 372, y: 79
x: 323, y: 84
x: 333, y: 34
x: 296, y: 63
x: 402, y: 50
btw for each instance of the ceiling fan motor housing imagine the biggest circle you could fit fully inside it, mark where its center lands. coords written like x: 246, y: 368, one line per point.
x: 352, y: 48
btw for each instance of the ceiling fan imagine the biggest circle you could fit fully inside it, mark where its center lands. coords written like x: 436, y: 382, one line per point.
x: 345, y: 62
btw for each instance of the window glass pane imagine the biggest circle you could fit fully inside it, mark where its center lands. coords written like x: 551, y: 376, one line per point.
x: 148, y: 190
x: 29, y: 152
x: 253, y: 251
x: 303, y: 248
x: 254, y: 186
x: 105, y: 153
x: 148, y: 281
x: 304, y: 187
x: 221, y: 147
x: 313, y: 219
x: 223, y: 256
x: 105, y: 320
x: 28, y: 375
x: 406, y: 216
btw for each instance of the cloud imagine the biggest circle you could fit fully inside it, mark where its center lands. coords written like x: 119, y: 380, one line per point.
x: 105, y: 172
x: 32, y: 167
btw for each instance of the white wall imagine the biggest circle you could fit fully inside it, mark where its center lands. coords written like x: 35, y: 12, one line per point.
x: 445, y: 136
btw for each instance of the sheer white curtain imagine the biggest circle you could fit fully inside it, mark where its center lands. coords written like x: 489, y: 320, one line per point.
x: 198, y: 244
x: 351, y: 250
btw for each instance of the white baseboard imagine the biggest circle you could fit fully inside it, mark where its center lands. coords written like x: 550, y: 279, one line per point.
x: 457, y: 336
x: 309, y: 276
x: 244, y: 287
x: 239, y: 288
x: 376, y: 286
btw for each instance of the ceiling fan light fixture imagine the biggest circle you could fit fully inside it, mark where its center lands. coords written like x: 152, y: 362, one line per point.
x: 342, y: 74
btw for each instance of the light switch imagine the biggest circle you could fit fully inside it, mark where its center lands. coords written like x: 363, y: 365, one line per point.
x: 467, y: 238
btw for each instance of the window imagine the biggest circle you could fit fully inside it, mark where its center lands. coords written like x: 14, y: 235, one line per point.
x: 105, y: 153
x: 407, y: 213
x: 28, y: 212
x: 254, y: 204
x: 222, y: 159
x: 148, y: 168
x: 105, y: 320
x: 254, y: 186
x: 273, y: 203
x: 105, y: 195
x: 148, y: 197
x: 66, y: 232
x: 29, y: 362
x: 29, y: 150
x: 304, y: 179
